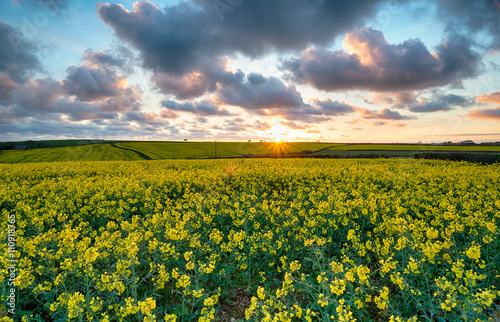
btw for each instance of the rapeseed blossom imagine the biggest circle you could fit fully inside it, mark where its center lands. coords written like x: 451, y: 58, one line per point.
x: 291, y: 239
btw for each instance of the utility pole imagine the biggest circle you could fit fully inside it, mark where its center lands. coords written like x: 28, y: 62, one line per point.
x: 215, y: 148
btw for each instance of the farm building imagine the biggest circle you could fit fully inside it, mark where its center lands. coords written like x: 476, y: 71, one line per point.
x: 466, y: 142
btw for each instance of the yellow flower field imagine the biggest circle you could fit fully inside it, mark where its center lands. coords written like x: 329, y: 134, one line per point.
x: 297, y: 239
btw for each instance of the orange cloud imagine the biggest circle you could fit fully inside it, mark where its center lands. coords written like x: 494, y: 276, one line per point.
x: 493, y: 98
x: 487, y: 113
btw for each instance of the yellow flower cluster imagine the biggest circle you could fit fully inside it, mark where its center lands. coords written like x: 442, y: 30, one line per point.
x: 294, y: 240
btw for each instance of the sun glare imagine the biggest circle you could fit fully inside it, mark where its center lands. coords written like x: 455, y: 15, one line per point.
x: 278, y: 132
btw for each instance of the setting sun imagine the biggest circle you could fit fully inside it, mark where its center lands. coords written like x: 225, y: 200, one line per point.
x: 278, y: 132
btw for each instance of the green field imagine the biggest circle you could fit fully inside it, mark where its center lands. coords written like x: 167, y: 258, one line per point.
x: 195, y: 150
x: 89, y: 150
x: 49, y: 143
x: 94, y: 152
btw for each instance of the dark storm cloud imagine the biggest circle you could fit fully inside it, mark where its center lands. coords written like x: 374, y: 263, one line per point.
x: 180, y: 38
x: 204, y: 108
x: 18, y: 57
x: 379, y: 66
x: 472, y: 17
x: 385, y: 114
x: 441, y: 102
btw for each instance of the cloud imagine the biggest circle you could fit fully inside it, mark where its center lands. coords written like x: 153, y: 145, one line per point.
x: 396, y: 99
x: 270, y: 96
x: 144, y: 118
x: 472, y: 17
x: 7, y: 86
x: 437, y: 101
x: 12, y: 114
x: 256, y: 93
x: 295, y: 126
x: 89, y: 92
x: 91, y: 83
x: 57, y: 129
x: 52, y: 6
x: 168, y: 114
x: 39, y: 95
x: 204, y: 108
x: 102, y: 58
x: 197, y: 82
x: 178, y: 38
x: 487, y: 113
x: 441, y: 102
x: 261, y: 125
x: 384, y: 114
x: 235, y: 125
x: 333, y: 108
x: 376, y: 65
x: 493, y: 98
x: 18, y: 58
x: 187, y: 86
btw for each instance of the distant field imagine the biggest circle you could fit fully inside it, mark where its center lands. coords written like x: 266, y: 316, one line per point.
x: 97, y: 152
x: 49, y: 143
x: 129, y: 151
x: 408, y: 147
x: 116, y: 151
x: 195, y: 150
x: 398, y: 150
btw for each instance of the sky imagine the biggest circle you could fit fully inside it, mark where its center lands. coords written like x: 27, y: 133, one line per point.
x: 238, y: 70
